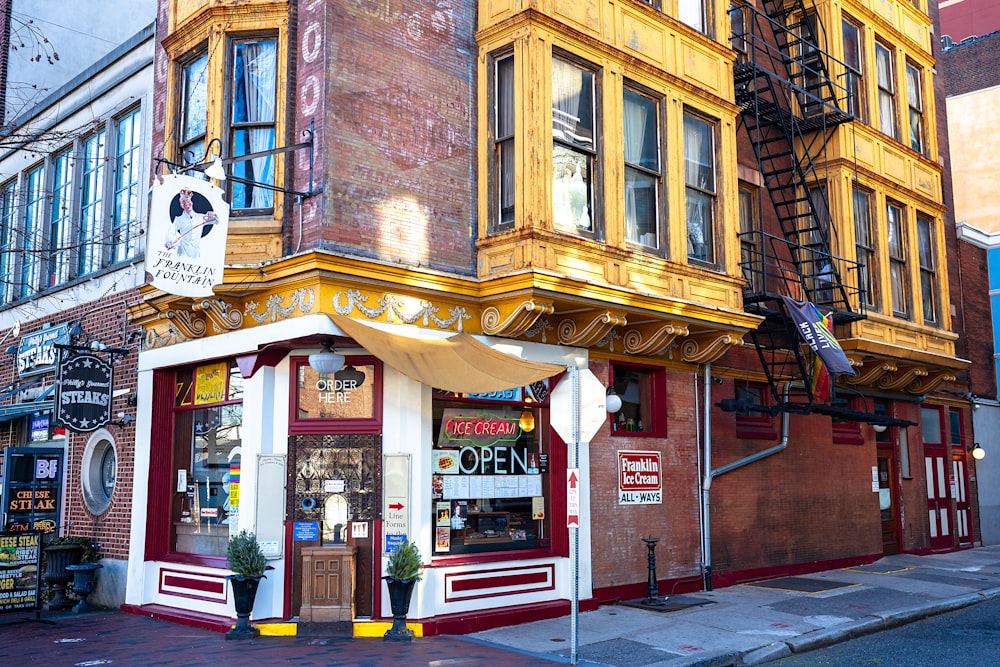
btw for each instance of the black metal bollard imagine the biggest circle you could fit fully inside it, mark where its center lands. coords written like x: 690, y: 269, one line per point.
x: 653, y: 598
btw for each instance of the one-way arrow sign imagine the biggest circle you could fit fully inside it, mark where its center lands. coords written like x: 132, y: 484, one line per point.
x: 572, y: 497
x: 396, y: 506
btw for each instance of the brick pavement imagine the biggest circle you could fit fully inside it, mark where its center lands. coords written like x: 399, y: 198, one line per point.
x: 120, y: 639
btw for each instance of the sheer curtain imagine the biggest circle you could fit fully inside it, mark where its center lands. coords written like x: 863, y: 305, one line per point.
x: 639, y: 126
x: 254, y: 104
x: 699, y: 175
x: 886, y: 112
x: 572, y: 124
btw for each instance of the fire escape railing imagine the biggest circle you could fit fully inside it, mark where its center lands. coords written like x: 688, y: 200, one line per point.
x: 790, y: 107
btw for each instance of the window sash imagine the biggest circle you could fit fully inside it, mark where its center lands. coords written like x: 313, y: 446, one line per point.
x: 642, y: 168
x: 573, y: 151
x: 31, y: 246
x: 864, y: 236
x: 91, y: 205
x: 886, y: 91
x: 60, y: 219
x: 8, y: 247
x: 928, y: 269
x: 897, y: 261
x: 854, y: 74
x: 915, y: 102
x: 692, y: 13
x: 699, y: 178
x: 504, y: 138
x: 750, y: 253
x: 194, y: 109
x: 125, y: 217
x: 252, y: 87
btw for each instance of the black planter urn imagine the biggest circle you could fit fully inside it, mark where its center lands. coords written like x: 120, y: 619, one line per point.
x: 400, y: 592
x: 58, y: 557
x: 84, y: 581
x: 244, y: 594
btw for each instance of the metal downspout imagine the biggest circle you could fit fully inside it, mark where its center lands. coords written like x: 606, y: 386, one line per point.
x: 706, y: 545
x: 706, y: 522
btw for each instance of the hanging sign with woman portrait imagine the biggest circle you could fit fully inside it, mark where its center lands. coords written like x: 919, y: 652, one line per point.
x: 186, y: 246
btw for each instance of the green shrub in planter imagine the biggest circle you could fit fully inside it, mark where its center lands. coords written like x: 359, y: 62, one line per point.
x: 405, y: 563
x: 245, y: 557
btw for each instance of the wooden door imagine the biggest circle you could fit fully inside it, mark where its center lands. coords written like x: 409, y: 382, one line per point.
x: 337, y: 483
x: 888, y: 503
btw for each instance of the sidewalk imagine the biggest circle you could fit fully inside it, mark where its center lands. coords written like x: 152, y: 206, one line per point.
x: 741, y: 625
x: 761, y: 622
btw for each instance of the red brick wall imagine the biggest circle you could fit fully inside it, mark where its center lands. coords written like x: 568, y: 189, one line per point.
x: 811, y: 502
x: 620, y: 556
x: 101, y: 320
x: 396, y: 132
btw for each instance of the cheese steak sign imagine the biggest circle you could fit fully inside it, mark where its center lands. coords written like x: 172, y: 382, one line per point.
x: 640, y: 478
x: 83, y: 396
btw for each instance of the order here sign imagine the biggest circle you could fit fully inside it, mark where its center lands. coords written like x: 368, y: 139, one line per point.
x: 640, y: 478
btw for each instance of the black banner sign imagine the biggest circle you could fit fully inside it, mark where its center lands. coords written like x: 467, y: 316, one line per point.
x: 83, y: 393
x: 20, y: 571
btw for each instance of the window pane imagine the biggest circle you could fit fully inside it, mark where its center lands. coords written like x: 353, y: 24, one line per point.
x: 886, y: 93
x: 92, y: 204
x: 930, y: 422
x: 8, y: 254
x: 253, y: 100
x: 699, y: 174
x: 864, y: 243
x: 195, y: 114
x: 928, y: 277
x: 642, y: 169
x: 571, y: 191
x: 572, y: 104
x: 60, y: 220
x: 32, y: 231
x: 504, y: 134
x: 125, y: 225
x: 692, y: 13
x: 489, y: 493
x: 640, y: 207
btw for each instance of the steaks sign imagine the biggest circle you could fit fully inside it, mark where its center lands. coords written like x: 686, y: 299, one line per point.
x: 83, y: 393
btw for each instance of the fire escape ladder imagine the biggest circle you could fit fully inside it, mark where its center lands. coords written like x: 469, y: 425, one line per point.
x: 790, y: 107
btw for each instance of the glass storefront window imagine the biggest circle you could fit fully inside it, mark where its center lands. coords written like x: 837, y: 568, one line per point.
x: 208, y: 420
x: 490, y: 473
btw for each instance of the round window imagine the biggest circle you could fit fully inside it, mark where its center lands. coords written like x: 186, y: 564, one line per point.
x: 100, y: 470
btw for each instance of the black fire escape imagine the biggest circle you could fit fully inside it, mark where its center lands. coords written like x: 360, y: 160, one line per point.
x: 790, y: 107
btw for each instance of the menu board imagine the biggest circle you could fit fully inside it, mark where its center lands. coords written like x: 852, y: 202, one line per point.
x: 20, y: 565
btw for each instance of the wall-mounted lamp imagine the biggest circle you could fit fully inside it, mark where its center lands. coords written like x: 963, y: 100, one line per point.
x: 613, y: 402
x: 879, y: 428
x: 978, y: 452
x: 326, y: 362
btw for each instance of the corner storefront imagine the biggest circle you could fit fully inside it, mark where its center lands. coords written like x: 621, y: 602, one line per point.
x: 333, y: 470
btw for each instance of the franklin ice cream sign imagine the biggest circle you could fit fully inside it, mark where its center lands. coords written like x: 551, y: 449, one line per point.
x: 188, y: 223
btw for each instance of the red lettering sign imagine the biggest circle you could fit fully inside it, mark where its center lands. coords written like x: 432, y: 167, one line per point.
x: 639, y: 471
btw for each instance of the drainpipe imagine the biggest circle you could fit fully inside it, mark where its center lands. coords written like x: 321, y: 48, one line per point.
x: 706, y: 522
x: 706, y: 545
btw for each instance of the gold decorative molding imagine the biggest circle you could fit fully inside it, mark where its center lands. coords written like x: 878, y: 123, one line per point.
x: 154, y: 339
x: 930, y: 383
x: 652, y: 339
x: 189, y: 325
x: 520, y: 319
x: 869, y: 372
x: 902, y: 378
x: 407, y: 310
x: 706, y: 348
x: 221, y: 314
x: 302, y: 299
x: 572, y: 333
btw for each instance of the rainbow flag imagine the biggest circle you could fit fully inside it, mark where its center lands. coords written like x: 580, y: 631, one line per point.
x: 817, y: 331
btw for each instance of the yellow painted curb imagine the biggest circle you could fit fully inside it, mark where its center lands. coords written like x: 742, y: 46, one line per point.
x: 361, y: 629
x: 277, y: 629
x: 378, y: 628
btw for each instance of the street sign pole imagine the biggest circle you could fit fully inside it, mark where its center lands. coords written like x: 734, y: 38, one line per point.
x: 574, y: 622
